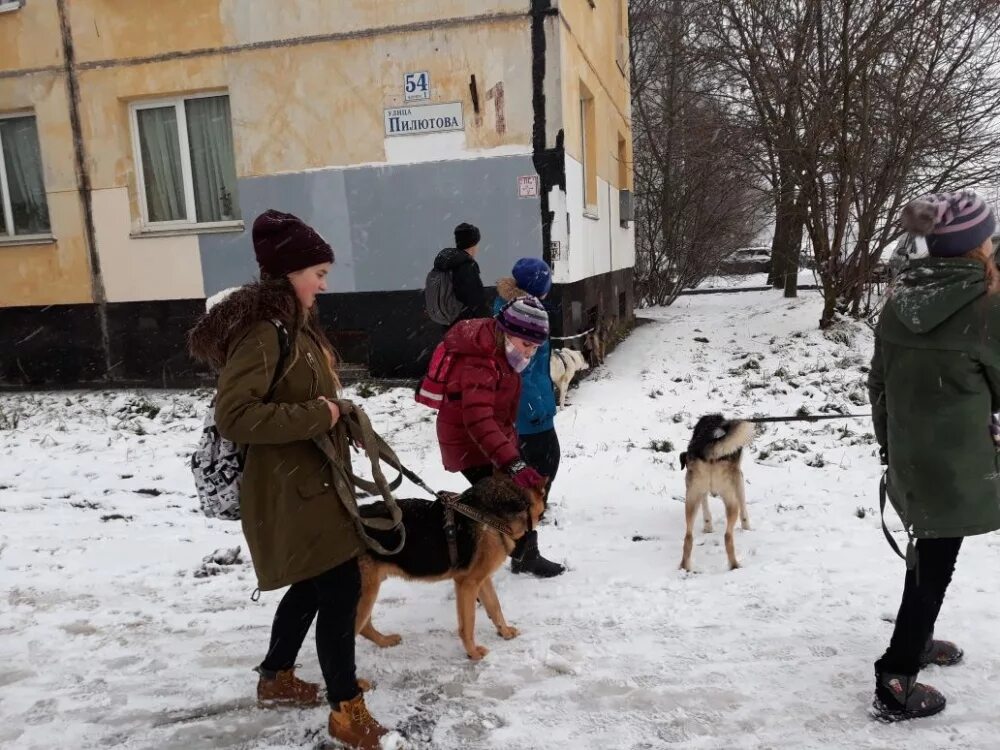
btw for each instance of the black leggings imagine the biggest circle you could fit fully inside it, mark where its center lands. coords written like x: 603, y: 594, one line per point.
x: 921, y: 603
x: 333, y: 596
x: 541, y: 452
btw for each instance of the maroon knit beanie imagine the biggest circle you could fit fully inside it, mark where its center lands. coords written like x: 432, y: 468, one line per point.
x: 283, y: 243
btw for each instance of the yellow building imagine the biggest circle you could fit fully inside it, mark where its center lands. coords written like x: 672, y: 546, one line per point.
x: 139, y: 140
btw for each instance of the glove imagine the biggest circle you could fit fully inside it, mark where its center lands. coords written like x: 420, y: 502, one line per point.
x: 524, y: 476
x: 995, y: 430
x: 883, y: 456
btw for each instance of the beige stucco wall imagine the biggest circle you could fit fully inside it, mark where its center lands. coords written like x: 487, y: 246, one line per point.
x: 146, y: 268
x: 588, y: 53
x: 54, y: 272
x: 30, y: 38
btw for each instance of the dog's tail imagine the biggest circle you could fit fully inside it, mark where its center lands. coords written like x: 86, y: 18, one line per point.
x: 738, y: 435
x: 684, y: 460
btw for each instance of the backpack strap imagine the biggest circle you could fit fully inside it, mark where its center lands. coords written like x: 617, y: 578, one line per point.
x: 284, y: 349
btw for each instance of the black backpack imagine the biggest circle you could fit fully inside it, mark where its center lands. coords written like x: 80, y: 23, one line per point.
x: 442, y: 306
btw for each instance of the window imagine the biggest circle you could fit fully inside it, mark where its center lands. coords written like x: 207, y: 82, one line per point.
x: 185, y: 163
x: 588, y: 150
x: 23, y: 208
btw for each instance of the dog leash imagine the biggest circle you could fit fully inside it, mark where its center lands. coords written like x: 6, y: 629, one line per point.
x: 805, y: 418
x: 450, y: 500
x: 574, y: 336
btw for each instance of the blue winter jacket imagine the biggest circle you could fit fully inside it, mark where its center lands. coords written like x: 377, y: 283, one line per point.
x: 537, y: 410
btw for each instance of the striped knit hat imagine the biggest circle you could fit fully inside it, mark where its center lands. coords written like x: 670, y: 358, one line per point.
x: 525, y: 317
x: 953, y: 223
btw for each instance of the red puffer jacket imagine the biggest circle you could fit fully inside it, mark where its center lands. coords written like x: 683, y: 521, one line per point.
x: 475, y: 424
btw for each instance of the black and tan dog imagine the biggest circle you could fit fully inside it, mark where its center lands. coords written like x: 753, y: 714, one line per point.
x: 481, y: 550
x: 712, y: 460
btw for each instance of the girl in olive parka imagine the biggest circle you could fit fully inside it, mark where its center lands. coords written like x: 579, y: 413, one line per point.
x: 297, y: 529
x: 934, y: 385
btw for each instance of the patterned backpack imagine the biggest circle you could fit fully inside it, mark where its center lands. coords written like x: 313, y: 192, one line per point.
x: 217, y: 463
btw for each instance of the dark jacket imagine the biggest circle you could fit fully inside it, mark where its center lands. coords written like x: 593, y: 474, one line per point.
x: 465, y: 281
x: 475, y: 424
x: 537, y: 410
x: 934, y: 384
x: 295, y: 525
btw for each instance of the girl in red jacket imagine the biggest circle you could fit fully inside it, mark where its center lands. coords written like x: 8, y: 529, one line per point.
x: 476, y: 421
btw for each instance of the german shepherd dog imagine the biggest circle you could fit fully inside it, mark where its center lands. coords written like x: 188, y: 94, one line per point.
x: 712, y: 460
x: 481, y: 549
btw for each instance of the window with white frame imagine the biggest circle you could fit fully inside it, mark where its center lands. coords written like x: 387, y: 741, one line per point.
x: 23, y: 208
x: 184, y: 157
x: 10, y: 5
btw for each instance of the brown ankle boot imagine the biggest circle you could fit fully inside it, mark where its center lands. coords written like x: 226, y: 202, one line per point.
x: 287, y: 690
x: 351, y: 723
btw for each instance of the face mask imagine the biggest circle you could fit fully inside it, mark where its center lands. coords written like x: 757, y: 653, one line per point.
x: 514, y: 357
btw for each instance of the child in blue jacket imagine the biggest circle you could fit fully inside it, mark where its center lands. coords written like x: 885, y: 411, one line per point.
x: 537, y: 409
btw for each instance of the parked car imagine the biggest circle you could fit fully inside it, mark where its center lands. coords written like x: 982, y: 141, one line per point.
x: 747, y: 260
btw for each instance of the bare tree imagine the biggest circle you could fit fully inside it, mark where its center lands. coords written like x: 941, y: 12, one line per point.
x: 696, y: 195
x: 860, y: 105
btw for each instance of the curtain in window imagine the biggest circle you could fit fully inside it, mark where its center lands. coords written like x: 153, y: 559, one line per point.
x: 25, y: 183
x: 213, y: 166
x: 161, y: 164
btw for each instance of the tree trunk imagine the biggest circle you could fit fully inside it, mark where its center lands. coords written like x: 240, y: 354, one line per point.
x: 796, y: 227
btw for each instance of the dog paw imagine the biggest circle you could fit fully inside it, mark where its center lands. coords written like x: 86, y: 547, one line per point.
x: 734, y: 566
x: 388, y: 641
x: 364, y: 685
x: 508, y: 632
x: 708, y: 528
x: 477, y: 652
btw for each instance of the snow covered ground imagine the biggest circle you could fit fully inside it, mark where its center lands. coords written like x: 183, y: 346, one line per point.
x: 109, y: 638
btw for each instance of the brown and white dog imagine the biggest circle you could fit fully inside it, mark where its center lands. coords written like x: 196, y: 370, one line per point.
x: 564, y: 364
x: 713, y: 460
x: 481, y: 551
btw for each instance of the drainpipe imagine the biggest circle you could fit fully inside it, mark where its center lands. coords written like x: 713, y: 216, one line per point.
x: 83, y: 184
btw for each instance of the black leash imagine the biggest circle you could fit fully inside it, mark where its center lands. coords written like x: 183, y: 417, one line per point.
x: 911, y: 551
x: 806, y: 418
x: 452, y: 503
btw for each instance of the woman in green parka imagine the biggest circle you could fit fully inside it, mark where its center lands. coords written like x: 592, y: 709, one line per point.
x: 934, y: 385
x: 298, y: 531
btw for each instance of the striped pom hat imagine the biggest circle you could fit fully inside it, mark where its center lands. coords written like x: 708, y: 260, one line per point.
x: 525, y: 317
x: 953, y: 223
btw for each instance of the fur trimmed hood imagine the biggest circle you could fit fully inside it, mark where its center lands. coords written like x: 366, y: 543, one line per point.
x: 211, y: 336
x: 508, y: 290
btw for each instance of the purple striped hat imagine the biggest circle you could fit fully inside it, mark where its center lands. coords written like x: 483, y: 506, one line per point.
x: 525, y: 318
x: 953, y: 223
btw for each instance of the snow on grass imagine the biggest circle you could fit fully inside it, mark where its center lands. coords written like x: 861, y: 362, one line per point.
x: 110, y: 639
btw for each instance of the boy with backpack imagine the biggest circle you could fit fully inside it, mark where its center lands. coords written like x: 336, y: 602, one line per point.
x: 454, y: 290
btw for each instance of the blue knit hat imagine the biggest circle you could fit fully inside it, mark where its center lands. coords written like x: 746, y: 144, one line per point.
x: 953, y: 223
x: 533, y: 276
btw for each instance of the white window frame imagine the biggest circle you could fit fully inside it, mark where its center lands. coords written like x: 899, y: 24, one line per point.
x: 6, y: 207
x: 6, y: 6
x: 177, y: 102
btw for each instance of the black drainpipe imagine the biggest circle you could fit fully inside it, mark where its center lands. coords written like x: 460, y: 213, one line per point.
x: 549, y: 162
x: 83, y: 184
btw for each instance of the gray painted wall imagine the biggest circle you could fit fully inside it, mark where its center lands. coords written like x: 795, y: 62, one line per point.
x: 387, y: 223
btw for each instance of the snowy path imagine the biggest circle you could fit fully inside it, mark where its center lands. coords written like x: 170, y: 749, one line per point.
x: 108, y: 640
